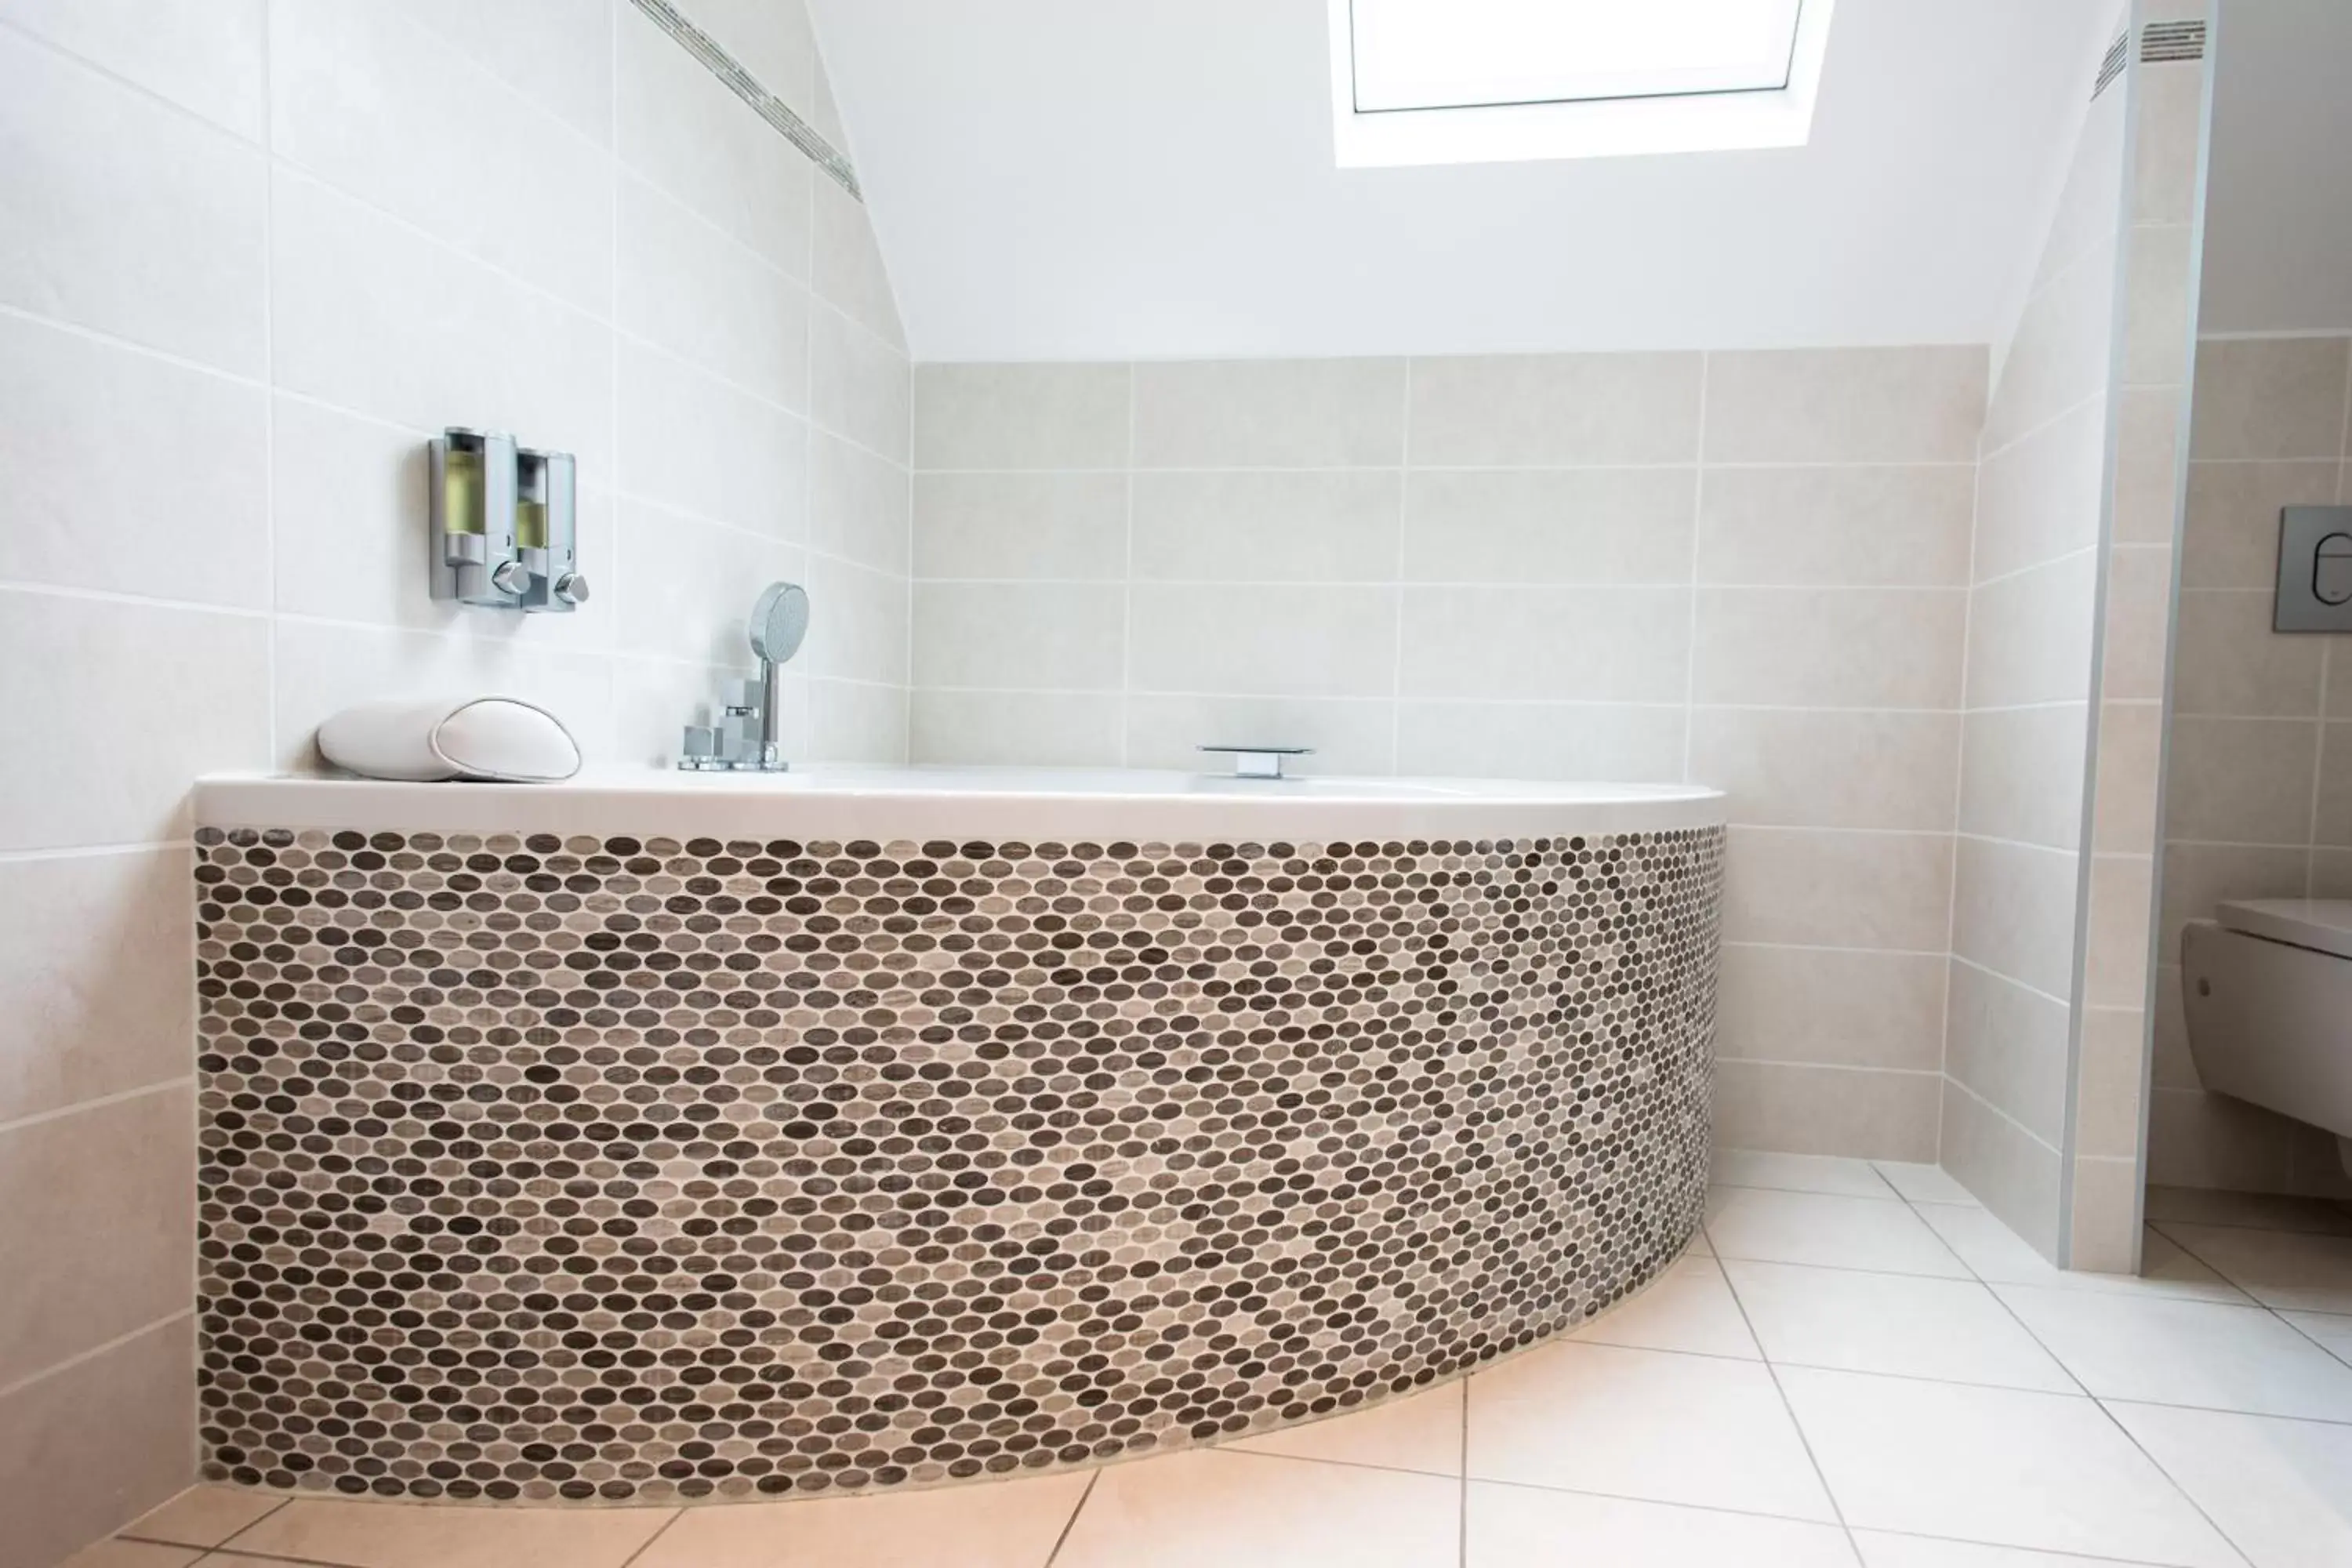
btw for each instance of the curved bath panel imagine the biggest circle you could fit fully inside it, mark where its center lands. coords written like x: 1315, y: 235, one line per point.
x: 632, y: 1168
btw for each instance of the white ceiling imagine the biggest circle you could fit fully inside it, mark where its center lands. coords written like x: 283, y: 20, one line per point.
x: 1111, y: 179
x: 2278, y: 205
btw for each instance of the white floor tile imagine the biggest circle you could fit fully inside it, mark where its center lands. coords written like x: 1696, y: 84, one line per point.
x: 2254, y: 1211
x: 1642, y: 1424
x: 2278, y: 1269
x: 1996, y: 1255
x: 1687, y: 1308
x: 1798, y: 1174
x: 1420, y: 1432
x: 1925, y: 1183
x: 2331, y: 1330
x: 425, y: 1535
x: 1525, y: 1527
x: 1901, y: 1325
x: 1216, y: 1510
x: 2186, y: 1353
x: 988, y: 1524
x: 1880, y: 1550
x: 1829, y: 1231
x: 1998, y: 1465
x: 2282, y: 1490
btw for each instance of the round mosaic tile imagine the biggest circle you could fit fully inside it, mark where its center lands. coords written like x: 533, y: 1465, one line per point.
x: 638, y: 1170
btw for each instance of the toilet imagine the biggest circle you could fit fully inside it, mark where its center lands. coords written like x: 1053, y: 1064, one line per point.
x: 2268, y: 987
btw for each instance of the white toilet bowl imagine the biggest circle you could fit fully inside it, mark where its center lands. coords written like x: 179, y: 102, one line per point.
x: 2268, y: 986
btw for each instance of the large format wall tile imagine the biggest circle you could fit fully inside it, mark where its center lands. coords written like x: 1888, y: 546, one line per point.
x: 1255, y: 527
x: 1845, y: 406
x: 1021, y: 415
x: 1248, y: 414
x: 1287, y: 641
x: 1816, y: 768
x: 1829, y: 648
x: 1576, y: 525
x: 693, y: 442
x: 207, y: 56
x: 1805, y: 526
x: 1572, y: 644
x: 1035, y: 636
x: 1555, y: 410
x: 696, y: 291
x: 1835, y: 1006
x: 93, y: 1445
x: 1011, y: 526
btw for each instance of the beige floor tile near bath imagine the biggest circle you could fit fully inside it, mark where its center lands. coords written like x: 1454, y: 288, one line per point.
x: 2282, y: 1490
x: 1419, y: 1432
x: 1798, y: 1174
x: 1827, y: 1231
x: 414, y: 1535
x: 1527, y: 1527
x: 204, y: 1516
x: 1901, y: 1325
x: 132, y: 1554
x: 986, y: 1524
x: 1996, y: 1465
x: 1642, y: 1424
x: 2186, y: 1353
x: 1686, y: 1308
x: 2278, y: 1269
x: 1880, y: 1550
x: 1924, y: 1183
x: 1225, y: 1510
x: 1996, y: 1255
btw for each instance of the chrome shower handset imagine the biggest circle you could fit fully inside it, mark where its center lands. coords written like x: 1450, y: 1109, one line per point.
x: 780, y: 618
x: 749, y: 735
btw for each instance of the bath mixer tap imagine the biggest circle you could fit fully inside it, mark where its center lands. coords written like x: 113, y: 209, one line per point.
x: 748, y: 737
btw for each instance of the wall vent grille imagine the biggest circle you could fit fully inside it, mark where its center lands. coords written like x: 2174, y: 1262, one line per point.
x: 746, y: 85
x: 2111, y: 64
x: 2160, y: 43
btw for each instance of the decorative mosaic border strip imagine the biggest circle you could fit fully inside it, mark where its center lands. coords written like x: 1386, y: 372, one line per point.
x: 746, y: 85
x: 629, y: 1170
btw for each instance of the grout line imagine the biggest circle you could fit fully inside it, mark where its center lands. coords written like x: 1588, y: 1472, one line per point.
x: 1698, y: 532
x: 185, y: 1314
x: 1396, y: 661
x: 675, y: 1514
x: 99, y: 1102
x: 1071, y: 1523
x: 85, y: 851
x: 1126, y: 585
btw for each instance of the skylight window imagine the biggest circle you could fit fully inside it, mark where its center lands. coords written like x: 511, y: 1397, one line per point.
x: 1442, y: 82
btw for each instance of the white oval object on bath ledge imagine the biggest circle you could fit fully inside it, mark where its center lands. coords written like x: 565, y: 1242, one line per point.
x: 432, y: 740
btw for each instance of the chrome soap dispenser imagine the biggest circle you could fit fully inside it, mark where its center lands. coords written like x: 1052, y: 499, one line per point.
x: 475, y: 559
x: 547, y: 531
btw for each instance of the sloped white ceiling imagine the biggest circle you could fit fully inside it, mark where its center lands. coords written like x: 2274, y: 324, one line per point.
x: 1110, y: 179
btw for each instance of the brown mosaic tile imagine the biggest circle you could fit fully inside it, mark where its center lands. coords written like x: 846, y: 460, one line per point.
x: 635, y: 1170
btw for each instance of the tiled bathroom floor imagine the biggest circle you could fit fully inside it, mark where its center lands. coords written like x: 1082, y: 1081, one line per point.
x: 1858, y: 1366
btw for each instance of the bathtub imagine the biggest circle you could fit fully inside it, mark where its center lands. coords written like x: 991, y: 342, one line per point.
x: 662, y: 1137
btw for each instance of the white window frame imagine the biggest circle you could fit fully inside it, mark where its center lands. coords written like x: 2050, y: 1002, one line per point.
x: 1592, y: 128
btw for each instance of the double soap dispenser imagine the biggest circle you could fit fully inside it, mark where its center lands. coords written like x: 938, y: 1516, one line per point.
x: 506, y: 527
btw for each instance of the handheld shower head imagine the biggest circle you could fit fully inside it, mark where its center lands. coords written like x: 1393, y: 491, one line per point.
x: 780, y: 618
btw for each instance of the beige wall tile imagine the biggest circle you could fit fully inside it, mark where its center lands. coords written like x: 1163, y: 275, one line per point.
x: 1292, y: 641
x: 2116, y: 930
x: 2105, y: 1236
x: 1237, y: 413
x: 775, y: 43
x: 2088, y: 204
x: 82, y: 1022
x: 1873, y: 526
x: 2332, y: 821
x: 2196, y: 876
x: 2232, y: 540
x: 384, y: 110
x: 2148, y: 451
x: 690, y: 584
x: 2109, y: 1114
x: 2269, y: 397
x: 188, y: 519
x: 1831, y: 1007
x: 2013, y: 912
x: 1048, y: 636
x: 99, y: 1235
x: 1858, y: 1113
x: 1584, y: 525
x: 1464, y: 739
x: 691, y: 442
x: 700, y: 294
x: 2200, y: 1140
x: 858, y: 385
x: 540, y: 49
x: 849, y: 268
x: 858, y: 505
x: 131, y: 702
x: 207, y: 56
x: 856, y: 721
x: 2158, y: 318
x: 124, y: 217
x: 2016, y: 1176
x: 2229, y: 663
x: 685, y: 131
x: 1347, y: 737
x: 2171, y: 127
x: 1025, y: 525
x: 2242, y: 781
x: 1021, y: 415
x: 92, y: 1446
x: 2131, y: 736
x: 1563, y: 644
x: 2029, y: 635
x: 2139, y: 623
x: 1844, y: 647
x: 2059, y: 357
x: 1845, y: 406
x: 1828, y: 769
x: 2008, y: 1045
x: 1557, y: 410
x: 1813, y: 887
x: 2021, y: 774
x: 2040, y: 498
x: 1248, y: 527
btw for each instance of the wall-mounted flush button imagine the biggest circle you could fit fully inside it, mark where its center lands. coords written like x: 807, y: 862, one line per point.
x: 2315, y: 570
